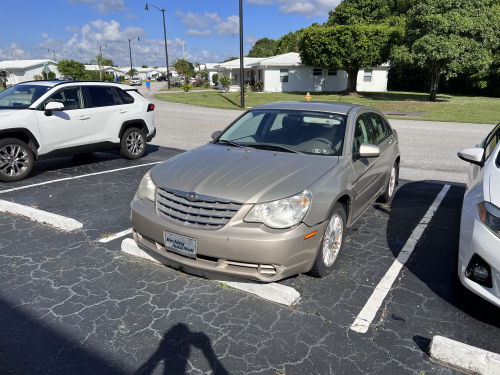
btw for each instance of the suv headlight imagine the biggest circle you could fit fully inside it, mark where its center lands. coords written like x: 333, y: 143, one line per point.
x: 490, y: 216
x: 147, y: 188
x: 283, y: 213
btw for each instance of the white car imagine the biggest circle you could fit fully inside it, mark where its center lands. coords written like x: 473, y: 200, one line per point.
x: 479, y: 249
x: 135, y: 81
x: 48, y: 119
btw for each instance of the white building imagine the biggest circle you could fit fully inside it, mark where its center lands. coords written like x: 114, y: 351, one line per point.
x: 106, y: 69
x: 18, y: 71
x: 212, y: 68
x: 286, y: 73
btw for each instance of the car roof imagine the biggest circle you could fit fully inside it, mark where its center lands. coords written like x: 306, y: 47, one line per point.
x: 59, y: 83
x: 319, y: 106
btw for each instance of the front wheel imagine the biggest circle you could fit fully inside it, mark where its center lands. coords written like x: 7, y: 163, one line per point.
x: 390, y: 188
x: 331, y: 244
x: 133, y: 144
x: 16, y: 160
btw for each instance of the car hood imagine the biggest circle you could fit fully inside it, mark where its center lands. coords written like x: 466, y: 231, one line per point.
x: 241, y: 174
x: 495, y: 188
x: 6, y: 112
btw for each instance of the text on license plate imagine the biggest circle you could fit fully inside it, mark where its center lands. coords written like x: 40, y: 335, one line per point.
x: 181, y: 245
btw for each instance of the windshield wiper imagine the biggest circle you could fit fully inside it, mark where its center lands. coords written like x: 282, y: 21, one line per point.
x: 229, y: 142
x: 276, y: 147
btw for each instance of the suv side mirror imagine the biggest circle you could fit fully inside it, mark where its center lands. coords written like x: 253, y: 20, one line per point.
x: 215, y: 134
x: 369, y: 151
x: 472, y: 155
x: 53, y: 106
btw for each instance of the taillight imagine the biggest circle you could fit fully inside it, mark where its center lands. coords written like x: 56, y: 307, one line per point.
x: 151, y: 107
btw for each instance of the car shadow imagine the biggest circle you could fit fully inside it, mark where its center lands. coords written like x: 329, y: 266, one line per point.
x: 433, y: 259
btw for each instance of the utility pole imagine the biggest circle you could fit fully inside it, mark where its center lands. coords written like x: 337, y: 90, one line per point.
x: 100, y: 62
x: 49, y: 50
x: 130, y: 51
x: 183, y: 55
x: 165, y: 37
x: 242, y: 70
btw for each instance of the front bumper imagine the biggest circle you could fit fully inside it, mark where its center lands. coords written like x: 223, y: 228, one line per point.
x: 475, y: 238
x: 245, y: 250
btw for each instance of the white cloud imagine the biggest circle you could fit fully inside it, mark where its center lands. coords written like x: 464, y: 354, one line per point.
x: 308, y: 8
x: 45, y: 35
x: 197, y: 32
x: 110, y: 6
x: 73, y: 30
x: 250, y: 39
x: 198, y: 20
x: 14, y: 51
x: 230, y: 27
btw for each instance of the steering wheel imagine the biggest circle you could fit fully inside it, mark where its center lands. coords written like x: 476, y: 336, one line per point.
x: 324, y: 140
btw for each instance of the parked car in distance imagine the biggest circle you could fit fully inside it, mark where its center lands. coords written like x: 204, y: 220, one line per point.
x: 479, y: 248
x: 135, y: 81
x: 272, y: 195
x: 49, y: 119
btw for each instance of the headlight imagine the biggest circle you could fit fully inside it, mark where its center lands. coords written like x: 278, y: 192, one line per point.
x: 147, y: 188
x: 283, y: 213
x: 490, y: 216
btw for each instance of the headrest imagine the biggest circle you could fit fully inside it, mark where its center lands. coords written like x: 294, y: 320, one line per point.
x: 291, y: 122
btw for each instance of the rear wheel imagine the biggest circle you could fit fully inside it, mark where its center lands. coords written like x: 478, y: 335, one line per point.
x: 16, y: 160
x: 331, y: 244
x: 133, y: 143
x: 390, y: 188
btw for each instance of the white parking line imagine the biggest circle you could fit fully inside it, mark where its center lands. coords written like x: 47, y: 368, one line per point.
x: 367, y: 314
x: 116, y: 235
x: 77, y: 177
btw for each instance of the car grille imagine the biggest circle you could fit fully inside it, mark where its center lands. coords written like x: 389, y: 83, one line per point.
x: 202, y: 211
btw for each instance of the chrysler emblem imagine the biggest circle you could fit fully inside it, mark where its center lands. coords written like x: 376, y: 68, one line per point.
x: 191, y: 196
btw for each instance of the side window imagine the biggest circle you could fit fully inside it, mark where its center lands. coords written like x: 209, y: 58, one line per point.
x: 278, y: 122
x: 70, y: 97
x: 284, y: 75
x: 362, y: 133
x: 378, y: 127
x: 101, y: 96
x: 490, y: 147
x: 126, y: 97
x: 388, y: 128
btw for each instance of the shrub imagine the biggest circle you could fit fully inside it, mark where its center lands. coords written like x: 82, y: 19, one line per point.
x: 187, y: 87
x: 109, y: 78
x: 175, y: 81
x: 121, y: 78
x: 206, y: 85
x: 215, y: 79
x: 258, y: 86
x: 37, y: 77
x: 226, y: 82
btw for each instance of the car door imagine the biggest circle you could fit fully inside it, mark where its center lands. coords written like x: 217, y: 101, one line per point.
x: 385, y: 140
x: 67, y: 131
x: 108, y: 115
x: 366, y: 184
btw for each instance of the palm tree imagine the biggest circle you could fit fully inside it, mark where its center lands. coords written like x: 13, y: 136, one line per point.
x: 132, y: 72
x: 182, y: 67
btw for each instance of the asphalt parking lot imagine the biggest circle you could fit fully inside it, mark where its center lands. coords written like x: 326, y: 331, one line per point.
x: 73, y: 305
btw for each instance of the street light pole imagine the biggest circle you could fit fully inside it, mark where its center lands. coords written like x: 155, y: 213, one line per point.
x: 242, y: 70
x: 49, y: 50
x: 100, y: 63
x: 165, y: 37
x: 130, y: 51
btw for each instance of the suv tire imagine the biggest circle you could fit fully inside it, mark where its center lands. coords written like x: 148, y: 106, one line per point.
x: 133, y: 143
x: 16, y: 160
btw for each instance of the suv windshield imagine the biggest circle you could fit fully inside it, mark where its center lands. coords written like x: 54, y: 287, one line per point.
x: 21, y: 96
x: 318, y: 133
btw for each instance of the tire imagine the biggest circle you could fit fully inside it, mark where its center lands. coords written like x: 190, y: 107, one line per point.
x: 16, y: 160
x: 390, y: 187
x: 133, y: 143
x: 324, y: 264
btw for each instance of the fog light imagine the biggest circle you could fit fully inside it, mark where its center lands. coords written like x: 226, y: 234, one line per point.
x: 481, y: 273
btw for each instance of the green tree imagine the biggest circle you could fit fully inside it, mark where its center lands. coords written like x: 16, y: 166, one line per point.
x: 132, y: 72
x: 262, y: 48
x: 75, y: 70
x: 144, y: 66
x: 347, y: 48
x: 215, y: 79
x: 203, y: 74
x: 230, y: 59
x: 48, y: 76
x: 225, y: 81
x: 450, y: 37
x: 288, y: 42
x: 183, y: 68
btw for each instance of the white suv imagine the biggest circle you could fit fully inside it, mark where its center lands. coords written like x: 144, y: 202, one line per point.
x: 135, y: 81
x: 49, y: 119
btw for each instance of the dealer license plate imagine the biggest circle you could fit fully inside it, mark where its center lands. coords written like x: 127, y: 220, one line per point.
x: 181, y: 245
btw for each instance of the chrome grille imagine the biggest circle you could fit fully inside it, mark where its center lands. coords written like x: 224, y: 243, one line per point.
x: 196, y: 210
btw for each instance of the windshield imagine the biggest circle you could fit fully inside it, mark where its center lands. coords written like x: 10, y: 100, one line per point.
x: 135, y: 79
x: 21, y: 96
x: 315, y: 133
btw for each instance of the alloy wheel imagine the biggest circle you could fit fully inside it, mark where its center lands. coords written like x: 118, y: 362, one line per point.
x: 392, y: 181
x: 14, y: 160
x: 135, y: 143
x: 332, y: 240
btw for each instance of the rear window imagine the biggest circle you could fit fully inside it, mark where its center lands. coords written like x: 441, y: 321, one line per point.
x: 102, y: 96
x: 126, y: 98
x: 21, y: 96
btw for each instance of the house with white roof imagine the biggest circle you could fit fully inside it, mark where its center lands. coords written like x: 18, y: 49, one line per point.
x: 212, y: 68
x: 286, y: 73
x: 17, y: 71
x: 106, y: 69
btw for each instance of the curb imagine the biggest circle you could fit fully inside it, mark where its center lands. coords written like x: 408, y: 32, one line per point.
x: 278, y: 293
x: 44, y: 217
x: 464, y: 357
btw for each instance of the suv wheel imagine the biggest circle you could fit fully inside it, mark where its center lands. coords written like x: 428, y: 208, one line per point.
x: 16, y: 160
x: 133, y: 143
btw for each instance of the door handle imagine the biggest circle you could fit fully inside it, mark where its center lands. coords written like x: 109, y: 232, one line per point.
x: 123, y: 111
x: 390, y: 142
x: 83, y: 118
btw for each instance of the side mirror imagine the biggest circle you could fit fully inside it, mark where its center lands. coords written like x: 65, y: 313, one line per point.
x: 472, y: 155
x: 215, y: 134
x: 53, y: 106
x: 369, y: 151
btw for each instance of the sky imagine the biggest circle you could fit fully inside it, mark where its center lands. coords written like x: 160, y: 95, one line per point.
x: 75, y: 29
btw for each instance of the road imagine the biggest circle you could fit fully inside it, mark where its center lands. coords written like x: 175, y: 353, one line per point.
x: 429, y: 149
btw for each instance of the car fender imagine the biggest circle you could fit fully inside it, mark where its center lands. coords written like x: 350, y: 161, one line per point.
x: 130, y: 123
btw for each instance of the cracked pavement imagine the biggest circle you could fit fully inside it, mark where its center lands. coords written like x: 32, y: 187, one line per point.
x: 72, y: 305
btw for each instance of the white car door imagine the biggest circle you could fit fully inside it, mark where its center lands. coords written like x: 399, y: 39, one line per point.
x: 108, y: 115
x: 68, y: 131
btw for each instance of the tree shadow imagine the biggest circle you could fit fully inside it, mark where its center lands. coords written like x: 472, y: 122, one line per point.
x: 175, y: 349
